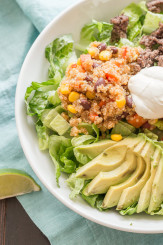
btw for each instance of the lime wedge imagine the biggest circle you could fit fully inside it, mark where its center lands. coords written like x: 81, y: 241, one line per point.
x: 15, y: 182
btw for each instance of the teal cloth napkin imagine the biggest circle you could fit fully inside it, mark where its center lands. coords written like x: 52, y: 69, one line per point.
x: 20, y: 24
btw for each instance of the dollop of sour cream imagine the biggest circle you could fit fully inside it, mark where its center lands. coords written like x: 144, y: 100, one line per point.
x: 146, y: 88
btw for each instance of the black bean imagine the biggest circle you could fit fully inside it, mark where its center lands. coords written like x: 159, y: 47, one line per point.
x: 114, y: 50
x: 96, y: 65
x: 88, y: 78
x: 86, y: 104
x: 102, y: 46
x: 129, y: 101
x: 99, y: 82
x: 146, y: 126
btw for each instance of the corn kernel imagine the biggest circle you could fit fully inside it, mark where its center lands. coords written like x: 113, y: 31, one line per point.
x: 71, y: 108
x: 116, y: 137
x: 93, y: 51
x: 105, y: 55
x: 64, y: 89
x: 73, y: 96
x: 79, y: 62
x: 90, y: 95
x: 121, y: 103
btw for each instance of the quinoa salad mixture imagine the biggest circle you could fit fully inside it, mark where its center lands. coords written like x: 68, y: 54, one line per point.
x: 95, y: 90
x: 100, y: 112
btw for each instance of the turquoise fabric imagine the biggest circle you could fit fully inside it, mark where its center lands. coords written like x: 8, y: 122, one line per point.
x: 20, y: 23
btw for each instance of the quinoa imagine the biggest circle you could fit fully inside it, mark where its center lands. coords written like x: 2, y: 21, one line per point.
x: 99, y: 80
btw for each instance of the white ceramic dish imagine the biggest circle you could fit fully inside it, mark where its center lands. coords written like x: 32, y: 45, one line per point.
x: 35, y: 68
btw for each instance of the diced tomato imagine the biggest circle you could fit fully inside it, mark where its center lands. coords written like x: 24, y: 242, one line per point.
x: 85, y: 61
x: 93, y: 116
x: 136, y: 121
x: 124, y: 53
x: 111, y: 77
x: 73, y: 66
x: 117, y: 63
x: 102, y: 103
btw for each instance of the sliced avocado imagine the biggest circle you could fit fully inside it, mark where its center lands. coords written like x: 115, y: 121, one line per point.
x: 157, y: 188
x: 93, y: 150
x: 114, y: 193
x: 140, y: 146
x: 101, y: 183
x: 60, y: 125
x: 110, y: 159
x: 145, y: 194
x: 131, y: 194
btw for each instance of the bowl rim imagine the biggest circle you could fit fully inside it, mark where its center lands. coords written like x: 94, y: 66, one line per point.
x: 27, y: 155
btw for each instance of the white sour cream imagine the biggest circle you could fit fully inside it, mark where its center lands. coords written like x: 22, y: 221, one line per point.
x: 146, y: 88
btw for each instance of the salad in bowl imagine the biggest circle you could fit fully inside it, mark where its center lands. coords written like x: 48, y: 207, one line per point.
x: 100, y: 113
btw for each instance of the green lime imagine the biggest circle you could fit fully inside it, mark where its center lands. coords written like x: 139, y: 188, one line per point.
x: 15, y: 182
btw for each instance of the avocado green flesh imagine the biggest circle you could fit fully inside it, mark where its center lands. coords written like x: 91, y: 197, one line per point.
x: 93, y: 150
x: 145, y: 194
x: 114, y: 193
x: 110, y: 159
x: 101, y: 183
x: 60, y: 125
x: 131, y: 194
x: 157, y: 188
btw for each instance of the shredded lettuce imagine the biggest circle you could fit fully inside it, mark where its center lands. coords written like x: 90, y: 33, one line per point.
x: 61, y: 152
x: 95, y: 31
x: 134, y: 12
x: 150, y: 134
x: 36, y: 97
x: 159, y: 124
x: 82, y: 140
x: 43, y: 136
x: 54, y: 99
x: 60, y: 53
x: 123, y: 128
x: 129, y: 210
x: 151, y: 22
x: 76, y: 185
x: 135, y: 31
x: 125, y: 42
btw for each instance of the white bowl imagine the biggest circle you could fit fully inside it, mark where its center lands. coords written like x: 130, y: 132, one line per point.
x: 35, y: 68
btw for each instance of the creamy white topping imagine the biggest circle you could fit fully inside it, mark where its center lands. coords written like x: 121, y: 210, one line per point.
x: 146, y: 88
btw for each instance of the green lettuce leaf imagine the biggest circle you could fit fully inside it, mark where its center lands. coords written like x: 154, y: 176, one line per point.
x: 54, y: 99
x: 82, y: 140
x: 159, y: 124
x: 129, y: 210
x: 43, y: 136
x: 125, y: 42
x: 134, y: 12
x: 90, y: 199
x: 60, y: 53
x: 123, y: 128
x: 135, y: 31
x: 150, y: 134
x: 76, y: 185
x: 95, y: 31
x: 158, y: 212
x: 151, y: 22
x: 36, y: 97
x: 61, y: 152
x: 143, y: 5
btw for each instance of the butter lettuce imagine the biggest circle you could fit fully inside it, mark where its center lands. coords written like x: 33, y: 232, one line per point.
x: 60, y: 53
x: 94, y: 31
